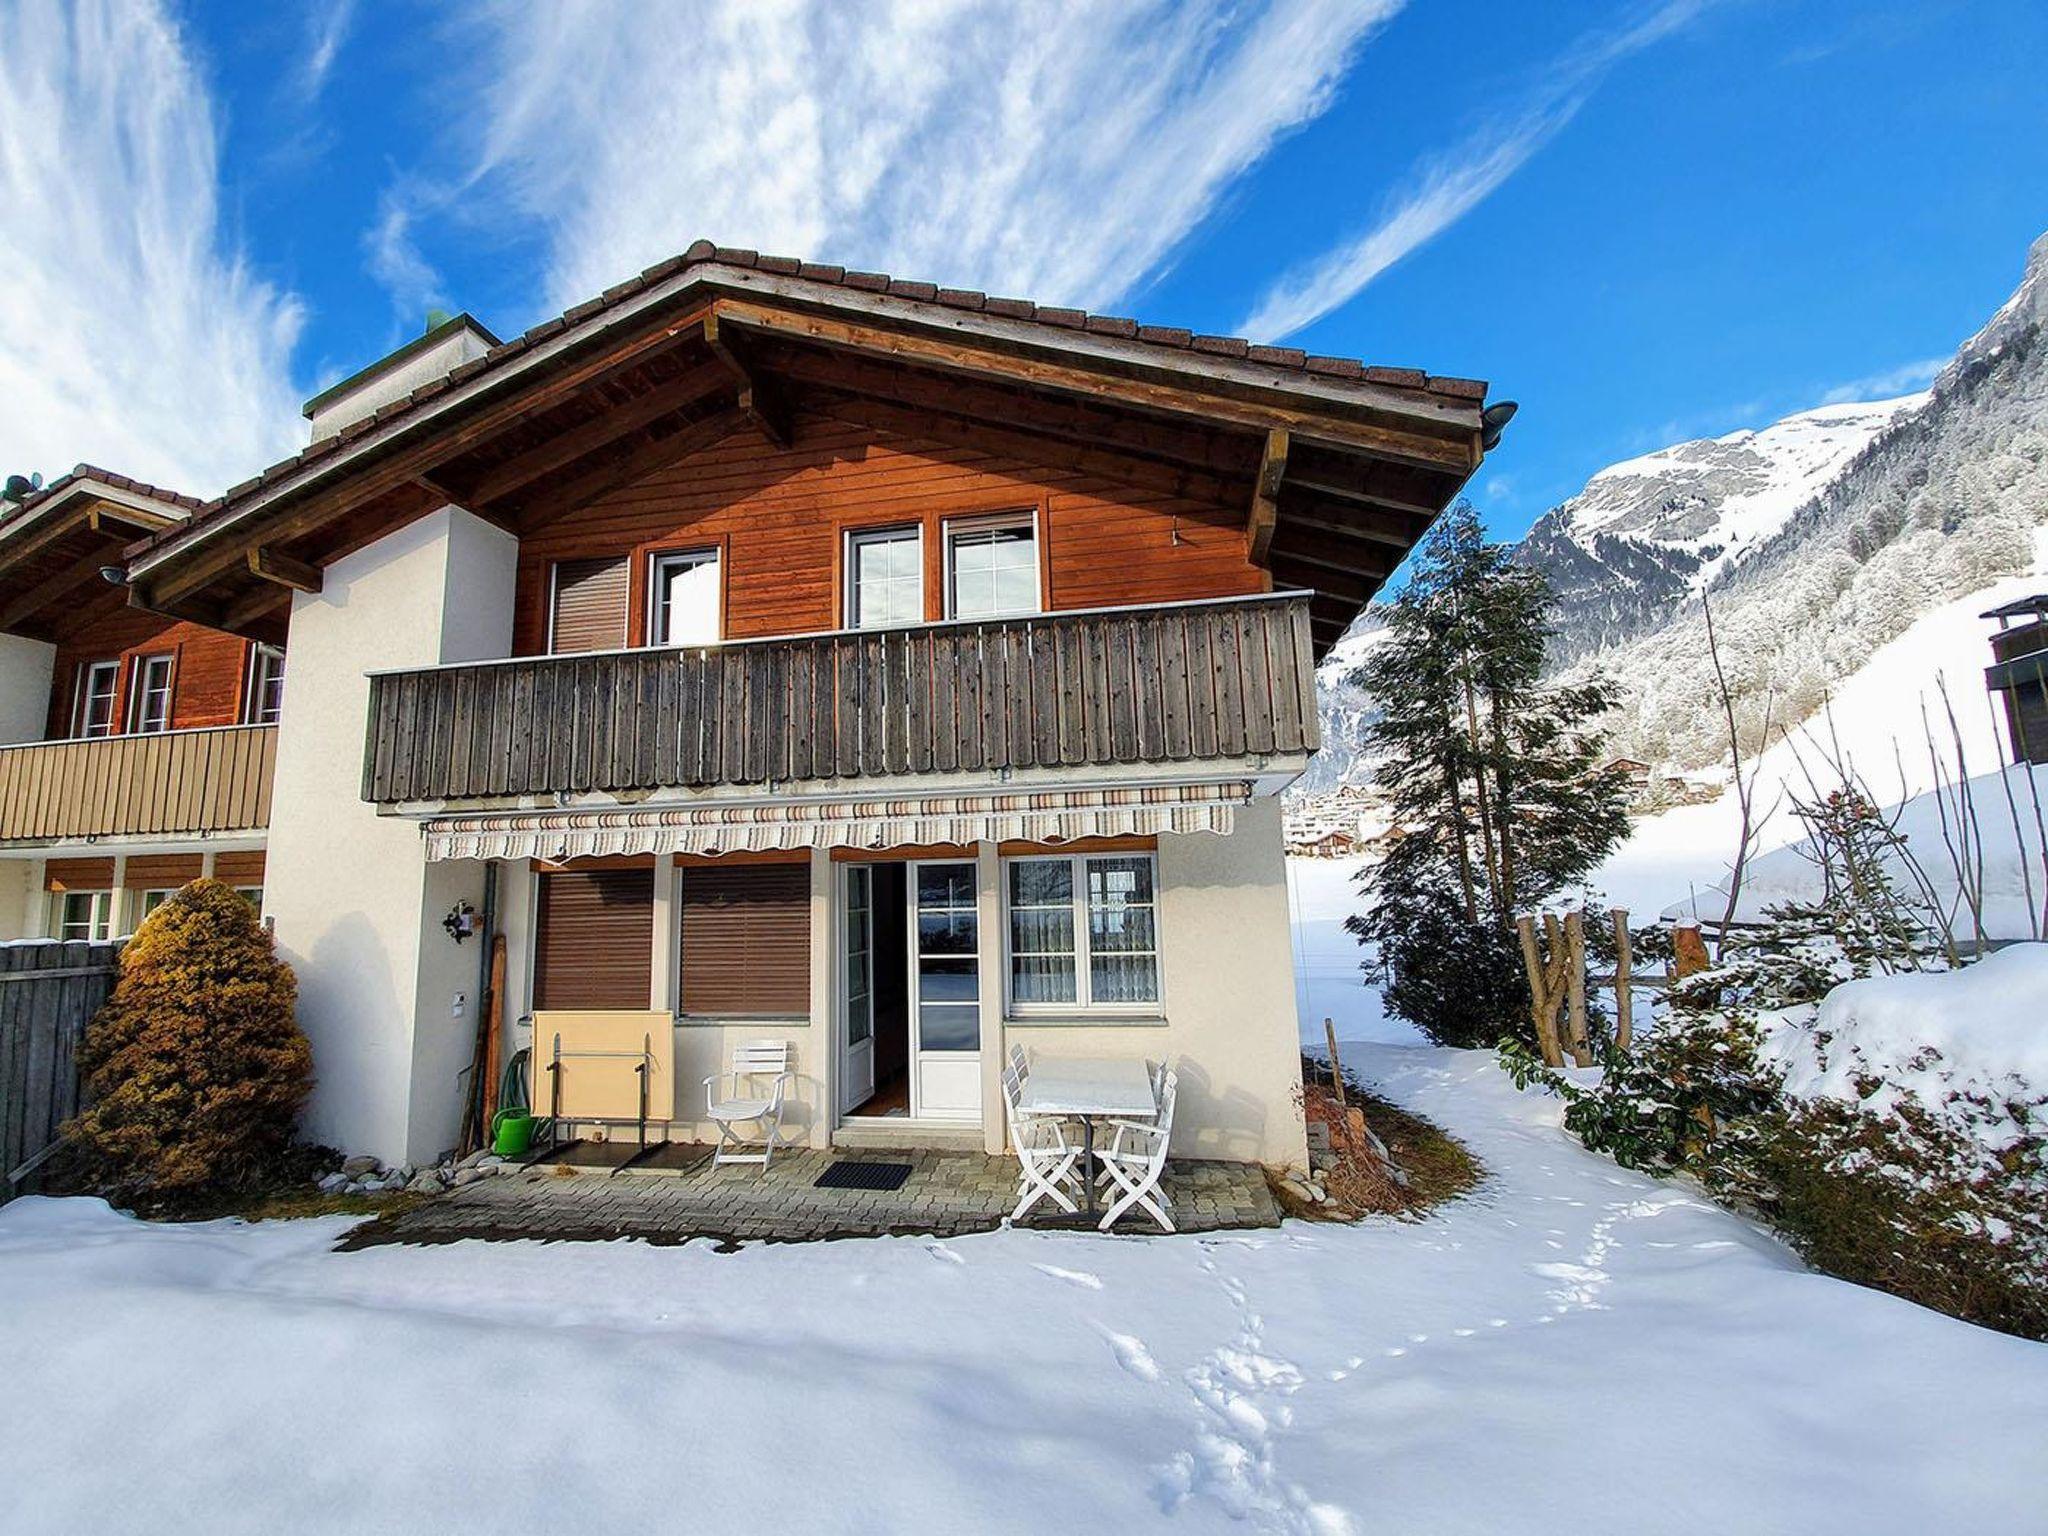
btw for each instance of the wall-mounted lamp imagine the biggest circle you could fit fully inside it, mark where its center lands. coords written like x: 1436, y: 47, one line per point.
x: 460, y: 921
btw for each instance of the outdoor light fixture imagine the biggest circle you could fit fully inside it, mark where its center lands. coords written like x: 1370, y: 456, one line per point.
x: 114, y: 575
x: 1494, y: 420
x: 460, y: 921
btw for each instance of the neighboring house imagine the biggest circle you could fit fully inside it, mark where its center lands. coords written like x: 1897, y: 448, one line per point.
x: 2019, y: 674
x: 899, y: 671
x: 1632, y: 772
x: 135, y: 749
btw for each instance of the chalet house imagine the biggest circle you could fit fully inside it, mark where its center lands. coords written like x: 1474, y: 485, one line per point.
x: 785, y: 651
x: 138, y: 748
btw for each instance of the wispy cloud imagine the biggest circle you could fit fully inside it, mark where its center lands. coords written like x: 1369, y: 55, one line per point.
x: 1886, y: 384
x: 1444, y: 189
x: 394, y: 256
x: 132, y: 332
x: 327, y: 28
x: 1056, y: 151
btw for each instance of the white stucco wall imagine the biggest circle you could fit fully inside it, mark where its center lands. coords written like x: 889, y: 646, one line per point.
x: 26, y: 671
x: 23, y: 903
x: 358, y: 909
x: 1227, y: 971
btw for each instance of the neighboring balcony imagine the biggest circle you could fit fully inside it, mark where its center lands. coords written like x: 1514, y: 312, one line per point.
x: 169, y: 783
x: 1230, y: 680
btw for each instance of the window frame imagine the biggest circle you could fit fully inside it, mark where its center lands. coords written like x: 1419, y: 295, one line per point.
x: 1084, y: 1004
x: 81, y: 697
x: 140, y: 689
x: 992, y: 522
x: 851, y: 539
x: 657, y: 560
x: 100, y: 919
x: 266, y: 667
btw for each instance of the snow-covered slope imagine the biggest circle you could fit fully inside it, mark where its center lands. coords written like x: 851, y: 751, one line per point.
x: 1874, y: 721
x: 1649, y: 531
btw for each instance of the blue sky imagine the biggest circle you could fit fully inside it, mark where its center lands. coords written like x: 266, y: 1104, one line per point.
x: 1645, y: 221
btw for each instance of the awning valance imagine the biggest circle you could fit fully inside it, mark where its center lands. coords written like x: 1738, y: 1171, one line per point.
x: 1043, y: 816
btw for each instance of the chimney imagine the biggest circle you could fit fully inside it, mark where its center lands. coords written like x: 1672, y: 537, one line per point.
x: 447, y: 343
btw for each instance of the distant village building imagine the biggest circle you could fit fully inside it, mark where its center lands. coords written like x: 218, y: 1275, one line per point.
x: 1635, y: 774
x: 2019, y: 673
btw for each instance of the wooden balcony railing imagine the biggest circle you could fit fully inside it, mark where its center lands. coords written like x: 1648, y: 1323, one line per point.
x: 1179, y: 682
x: 213, y: 780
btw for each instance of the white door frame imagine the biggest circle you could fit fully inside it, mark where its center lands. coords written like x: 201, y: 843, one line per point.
x: 856, y: 1060
x: 965, y: 1064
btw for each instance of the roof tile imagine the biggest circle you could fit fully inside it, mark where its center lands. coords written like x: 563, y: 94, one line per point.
x: 1223, y: 346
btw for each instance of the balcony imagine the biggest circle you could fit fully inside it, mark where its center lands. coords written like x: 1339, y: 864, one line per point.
x: 1178, y: 683
x: 162, y: 783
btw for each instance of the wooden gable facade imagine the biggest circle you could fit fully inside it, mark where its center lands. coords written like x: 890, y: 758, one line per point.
x: 767, y: 405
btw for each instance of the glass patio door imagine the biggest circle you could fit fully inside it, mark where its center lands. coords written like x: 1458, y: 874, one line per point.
x: 946, y: 988
x: 857, y: 1050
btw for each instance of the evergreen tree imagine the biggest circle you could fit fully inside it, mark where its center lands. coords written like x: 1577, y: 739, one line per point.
x: 1494, y: 776
x: 196, y: 1063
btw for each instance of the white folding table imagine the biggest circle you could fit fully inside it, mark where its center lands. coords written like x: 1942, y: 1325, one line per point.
x: 1088, y: 1089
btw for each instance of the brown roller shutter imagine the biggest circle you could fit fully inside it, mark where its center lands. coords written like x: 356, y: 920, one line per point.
x: 79, y: 875
x: 596, y: 943
x: 747, y: 940
x: 238, y: 868
x: 162, y: 871
x: 590, y: 605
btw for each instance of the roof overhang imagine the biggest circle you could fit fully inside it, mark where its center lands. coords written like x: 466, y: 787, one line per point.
x: 1339, y: 475
x: 53, y: 548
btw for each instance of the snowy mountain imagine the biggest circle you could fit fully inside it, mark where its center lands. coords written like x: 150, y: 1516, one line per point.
x: 1649, y: 532
x: 1817, y: 539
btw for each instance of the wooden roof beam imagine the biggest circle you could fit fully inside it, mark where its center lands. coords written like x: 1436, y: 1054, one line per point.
x: 1335, y: 552
x: 761, y: 402
x: 1396, y: 529
x: 1230, y: 454
x: 269, y: 564
x: 1456, y: 455
x: 602, y: 430
x: 52, y: 592
x: 556, y: 501
x: 253, y: 605
x: 1265, y: 512
x: 436, y: 446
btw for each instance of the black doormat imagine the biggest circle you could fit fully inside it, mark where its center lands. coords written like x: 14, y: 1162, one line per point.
x: 846, y: 1175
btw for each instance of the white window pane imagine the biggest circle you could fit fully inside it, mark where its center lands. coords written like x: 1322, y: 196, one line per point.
x: 888, y: 586
x: 686, y: 600
x: 995, y: 571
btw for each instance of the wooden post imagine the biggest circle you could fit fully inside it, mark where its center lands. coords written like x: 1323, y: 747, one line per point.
x: 1624, y: 1028
x: 494, y: 1013
x: 1575, y: 986
x: 1688, y: 951
x: 1542, y: 1004
x: 1336, y: 1066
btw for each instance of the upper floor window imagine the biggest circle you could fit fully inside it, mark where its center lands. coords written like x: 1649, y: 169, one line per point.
x: 266, y: 686
x: 884, y: 578
x: 92, y: 709
x: 587, y: 604
x: 149, y: 695
x: 683, y: 599
x: 992, y: 567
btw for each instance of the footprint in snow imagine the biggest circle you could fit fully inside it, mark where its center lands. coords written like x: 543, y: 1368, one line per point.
x: 1133, y: 1356
x: 941, y: 1251
x: 1078, y: 1277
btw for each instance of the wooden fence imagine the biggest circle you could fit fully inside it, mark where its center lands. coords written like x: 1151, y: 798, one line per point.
x: 48, y: 993
x: 1179, y: 682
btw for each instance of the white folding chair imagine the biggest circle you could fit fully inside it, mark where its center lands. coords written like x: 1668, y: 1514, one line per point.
x: 1045, y: 1158
x: 1136, y: 1158
x: 736, y: 1097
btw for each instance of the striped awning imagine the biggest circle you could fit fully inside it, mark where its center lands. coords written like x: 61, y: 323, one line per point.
x: 1039, y: 816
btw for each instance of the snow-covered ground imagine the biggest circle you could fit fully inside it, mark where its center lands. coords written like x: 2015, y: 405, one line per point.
x: 1573, y: 1348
